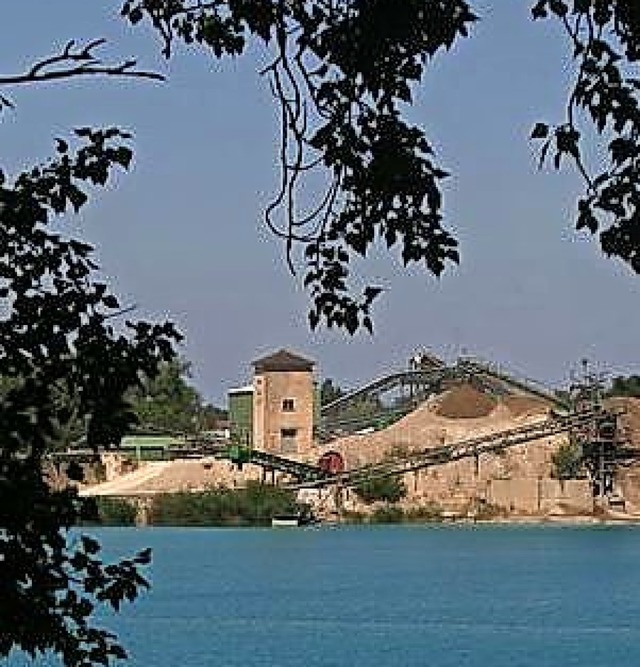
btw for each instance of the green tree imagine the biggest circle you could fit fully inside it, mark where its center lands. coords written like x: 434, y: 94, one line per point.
x: 388, y: 489
x: 167, y: 402
x: 625, y: 386
x: 210, y: 417
x: 254, y: 504
x: 566, y: 461
x: 115, y: 512
x: 329, y: 392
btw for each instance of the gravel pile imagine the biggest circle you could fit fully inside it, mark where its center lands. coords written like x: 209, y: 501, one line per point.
x: 519, y: 406
x: 466, y: 402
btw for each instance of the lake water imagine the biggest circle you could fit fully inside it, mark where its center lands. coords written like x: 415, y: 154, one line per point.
x: 437, y: 596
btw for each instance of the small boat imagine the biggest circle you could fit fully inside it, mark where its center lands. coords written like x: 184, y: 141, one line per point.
x: 293, y: 520
x: 285, y: 521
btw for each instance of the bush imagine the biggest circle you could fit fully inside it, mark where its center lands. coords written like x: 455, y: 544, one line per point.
x: 116, y: 512
x: 566, y: 462
x: 253, y: 505
x: 488, y: 511
x: 429, y: 512
x: 387, y: 515
x: 388, y: 489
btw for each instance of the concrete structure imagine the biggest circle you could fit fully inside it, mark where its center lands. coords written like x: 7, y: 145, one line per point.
x: 278, y: 411
x: 283, y: 403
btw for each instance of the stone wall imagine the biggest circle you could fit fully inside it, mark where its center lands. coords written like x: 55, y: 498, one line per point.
x: 541, y: 496
x: 628, y: 485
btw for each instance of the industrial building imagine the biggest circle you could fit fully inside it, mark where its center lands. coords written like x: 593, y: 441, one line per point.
x: 278, y: 411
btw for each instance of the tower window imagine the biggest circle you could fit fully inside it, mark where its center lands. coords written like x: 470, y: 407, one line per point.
x: 288, y: 405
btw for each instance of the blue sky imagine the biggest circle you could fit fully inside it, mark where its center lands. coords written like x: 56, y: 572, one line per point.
x: 181, y: 234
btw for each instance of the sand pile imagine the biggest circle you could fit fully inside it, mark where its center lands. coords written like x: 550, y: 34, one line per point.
x: 198, y: 474
x: 431, y: 426
x: 461, y: 413
x: 520, y: 406
x: 178, y: 475
x: 465, y: 402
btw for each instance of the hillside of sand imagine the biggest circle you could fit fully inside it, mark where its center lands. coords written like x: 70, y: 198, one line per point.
x: 458, y: 414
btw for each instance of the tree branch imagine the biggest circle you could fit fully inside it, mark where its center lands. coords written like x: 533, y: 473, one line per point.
x: 75, y: 61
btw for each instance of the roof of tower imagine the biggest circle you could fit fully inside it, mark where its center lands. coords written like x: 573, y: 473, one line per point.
x: 282, y: 360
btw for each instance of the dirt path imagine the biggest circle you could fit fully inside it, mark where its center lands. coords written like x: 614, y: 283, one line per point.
x: 129, y: 483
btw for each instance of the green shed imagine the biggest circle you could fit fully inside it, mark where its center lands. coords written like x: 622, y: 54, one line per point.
x: 241, y: 415
x: 147, y: 447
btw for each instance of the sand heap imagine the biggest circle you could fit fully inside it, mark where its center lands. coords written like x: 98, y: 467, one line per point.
x: 524, y: 406
x: 178, y: 475
x: 460, y: 413
x: 465, y: 402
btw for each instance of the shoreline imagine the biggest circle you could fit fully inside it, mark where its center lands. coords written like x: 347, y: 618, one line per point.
x: 574, y: 521
x: 577, y: 520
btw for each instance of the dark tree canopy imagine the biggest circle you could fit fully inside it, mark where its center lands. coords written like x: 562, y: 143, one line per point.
x: 342, y: 73
x: 67, y: 361
x: 57, y: 337
x: 604, y: 36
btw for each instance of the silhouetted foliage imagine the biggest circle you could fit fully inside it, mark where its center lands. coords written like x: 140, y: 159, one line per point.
x: 342, y: 72
x: 605, y: 40
x: 57, y: 339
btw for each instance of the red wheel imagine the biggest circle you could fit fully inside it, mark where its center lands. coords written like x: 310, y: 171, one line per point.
x: 332, y: 463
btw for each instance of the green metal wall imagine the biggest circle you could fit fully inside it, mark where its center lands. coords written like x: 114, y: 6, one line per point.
x: 241, y: 417
x: 316, y: 404
x: 147, y: 448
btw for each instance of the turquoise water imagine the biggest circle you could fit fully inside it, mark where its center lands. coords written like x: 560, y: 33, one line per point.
x: 438, y: 596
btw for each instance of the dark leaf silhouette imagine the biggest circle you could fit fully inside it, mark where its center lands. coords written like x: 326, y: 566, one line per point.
x: 61, y: 363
